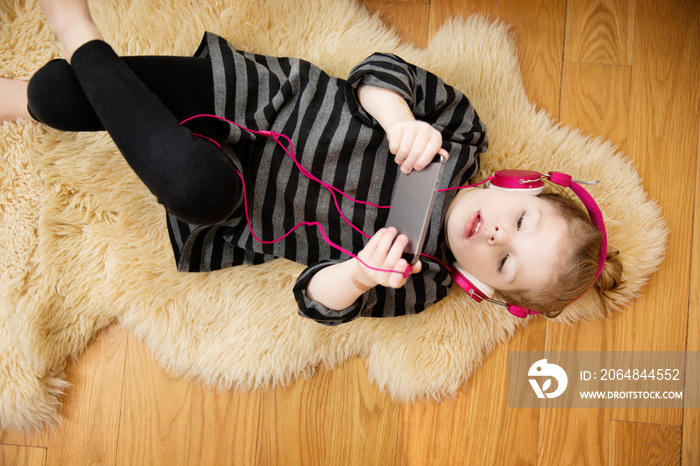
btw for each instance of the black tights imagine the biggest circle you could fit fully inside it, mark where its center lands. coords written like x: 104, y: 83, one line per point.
x: 140, y: 102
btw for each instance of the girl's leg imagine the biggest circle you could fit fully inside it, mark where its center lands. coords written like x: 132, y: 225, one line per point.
x: 191, y: 177
x: 183, y: 84
x: 13, y: 100
x: 71, y: 22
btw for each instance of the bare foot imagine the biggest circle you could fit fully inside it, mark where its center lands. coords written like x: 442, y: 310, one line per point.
x: 13, y: 100
x: 71, y: 22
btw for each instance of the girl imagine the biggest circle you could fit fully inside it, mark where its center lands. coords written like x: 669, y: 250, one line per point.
x: 231, y: 193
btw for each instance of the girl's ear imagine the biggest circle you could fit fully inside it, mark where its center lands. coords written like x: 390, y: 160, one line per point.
x: 475, y: 288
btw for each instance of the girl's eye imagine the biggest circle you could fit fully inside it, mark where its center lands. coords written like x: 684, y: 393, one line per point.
x: 502, y: 263
x: 520, y: 220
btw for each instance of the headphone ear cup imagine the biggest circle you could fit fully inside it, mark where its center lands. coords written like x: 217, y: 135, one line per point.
x: 522, y: 181
x: 478, y: 290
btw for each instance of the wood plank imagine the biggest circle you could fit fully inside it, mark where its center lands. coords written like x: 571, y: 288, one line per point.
x: 16, y: 455
x: 389, y: 2
x: 595, y: 98
x: 177, y: 421
x: 499, y: 434
x: 538, y: 27
x: 664, y: 115
x: 590, y: 445
x: 690, y: 447
x: 637, y: 443
x: 600, y: 31
x: 90, y: 415
x: 435, y: 432
x: 409, y: 20
x: 575, y: 436
x: 441, y: 11
x: 691, y: 417
x: 336, y: 417
x: 220, y: 428
x: 29, y: 438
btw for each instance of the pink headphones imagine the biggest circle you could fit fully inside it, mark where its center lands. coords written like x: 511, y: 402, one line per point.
x: 531, y: 182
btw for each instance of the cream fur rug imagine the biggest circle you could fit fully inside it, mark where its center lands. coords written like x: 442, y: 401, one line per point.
x: 82, y: 243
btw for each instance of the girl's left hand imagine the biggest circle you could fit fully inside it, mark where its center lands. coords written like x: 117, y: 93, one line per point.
x: 384, y: 251
x: 414, y: 144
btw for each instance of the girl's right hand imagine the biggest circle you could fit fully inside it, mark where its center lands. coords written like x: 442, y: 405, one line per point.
x: 340, y: 285
x: 384, y: 251
x: 414, y: 144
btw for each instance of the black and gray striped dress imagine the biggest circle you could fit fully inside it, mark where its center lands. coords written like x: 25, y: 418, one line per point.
x: 341, y: 144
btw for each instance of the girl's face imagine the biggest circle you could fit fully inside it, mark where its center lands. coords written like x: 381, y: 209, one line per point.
x: 508, y: 240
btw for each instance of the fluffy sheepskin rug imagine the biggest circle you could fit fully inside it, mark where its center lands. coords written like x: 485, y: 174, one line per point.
x: 83, y: 243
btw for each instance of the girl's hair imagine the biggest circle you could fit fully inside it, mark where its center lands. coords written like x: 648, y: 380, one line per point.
x: 580, y: 264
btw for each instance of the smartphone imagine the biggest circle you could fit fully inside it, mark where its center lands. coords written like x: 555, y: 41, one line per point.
x: 412, y: 204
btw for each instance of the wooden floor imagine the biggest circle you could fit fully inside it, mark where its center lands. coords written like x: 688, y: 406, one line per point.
x: 624, y: 69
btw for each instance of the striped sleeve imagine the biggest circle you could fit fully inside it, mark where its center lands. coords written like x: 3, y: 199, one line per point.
x: 315, y: 310
x: 429, y: 97
x: 385, y: 70
x: 419, y: 293
x: 381, y: 70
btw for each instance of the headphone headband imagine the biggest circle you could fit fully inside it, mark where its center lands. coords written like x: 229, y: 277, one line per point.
x: 594, y: 212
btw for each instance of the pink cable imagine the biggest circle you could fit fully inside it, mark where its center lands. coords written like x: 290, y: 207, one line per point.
x: 467, y: 186
x: 405, y: 273
x: 330, y: 188
x: 290, y: 153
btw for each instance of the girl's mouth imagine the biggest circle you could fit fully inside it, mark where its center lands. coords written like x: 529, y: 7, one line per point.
x: 473, y: 225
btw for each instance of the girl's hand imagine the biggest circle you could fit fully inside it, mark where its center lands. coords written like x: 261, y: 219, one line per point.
x: 383, y: 251
x: 414, y: 143
x: 340, y: 285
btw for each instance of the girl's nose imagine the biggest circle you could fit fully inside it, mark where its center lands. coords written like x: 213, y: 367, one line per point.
x: 497, y: 235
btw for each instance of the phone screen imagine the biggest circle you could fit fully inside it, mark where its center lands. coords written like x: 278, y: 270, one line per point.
x: 412, y: 204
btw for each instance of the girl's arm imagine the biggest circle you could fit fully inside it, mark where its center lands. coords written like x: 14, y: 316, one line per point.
x: 414, y: 143
x: 337, y: 287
